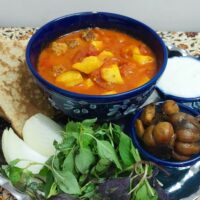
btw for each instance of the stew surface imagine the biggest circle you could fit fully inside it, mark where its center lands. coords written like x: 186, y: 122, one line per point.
x: 97, y: 61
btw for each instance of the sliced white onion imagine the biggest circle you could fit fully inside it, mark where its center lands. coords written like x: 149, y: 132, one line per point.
x: 15, y: 148
x: 39, y: 132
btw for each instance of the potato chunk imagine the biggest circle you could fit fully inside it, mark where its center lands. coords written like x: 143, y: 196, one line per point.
x: 135, y: 50
x: 59, y: 48
x: 70, y: 78
x: 88, y: 64
x: 97, y: 44
x: 88, y: 83
x: 112, y: 74
x: 105, y: 54
x: 141, y: 59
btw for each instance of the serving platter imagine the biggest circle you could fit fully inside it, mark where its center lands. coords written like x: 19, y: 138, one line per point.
x: 177, y: 185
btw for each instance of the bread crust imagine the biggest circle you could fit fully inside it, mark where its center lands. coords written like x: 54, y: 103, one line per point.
x: 20, y: 96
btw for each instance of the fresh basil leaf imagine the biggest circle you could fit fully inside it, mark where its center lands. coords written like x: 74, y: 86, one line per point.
x: 19, y: 177
x: 106, y: 150
x: 84, y: 160
x: 15, y: 174
x: 53, y: 190
x: 14, y: 162
x: 56, y: 162
x: 72, y: 129
x: 48, y: 183
x: 125, y: 145
x: 66, y: 144
x: 67, y: 182
x: 102, y: 165
x: 117, y: 131
x: 135, y: 154
x: 85, y: 141
x: 68, y: 164
x: 82, y: 179
x: 89, y: 122
x: 142, y: 193
x: 86, y: 130
x: 89, y: 191
x: 43, y: 172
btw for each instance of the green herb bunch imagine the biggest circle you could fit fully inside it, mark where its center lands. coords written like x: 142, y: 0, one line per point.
x: 91, y: 162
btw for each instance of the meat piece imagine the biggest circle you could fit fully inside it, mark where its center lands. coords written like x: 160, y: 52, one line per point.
x: 88, y: 35
x: 73, y: 43
x: 96, y: 77
x: 58, y: 69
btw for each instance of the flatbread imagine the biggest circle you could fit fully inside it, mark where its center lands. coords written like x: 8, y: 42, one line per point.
x: 20, y: 96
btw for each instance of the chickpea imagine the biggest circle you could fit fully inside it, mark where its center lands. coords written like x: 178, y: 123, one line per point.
x: 170, y: 107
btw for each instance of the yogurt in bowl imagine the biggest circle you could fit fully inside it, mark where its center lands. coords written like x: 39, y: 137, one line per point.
x: 181, y: 81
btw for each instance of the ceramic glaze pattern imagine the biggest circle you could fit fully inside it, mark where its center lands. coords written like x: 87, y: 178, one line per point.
x: 194, y: 105
x: 106, y: 111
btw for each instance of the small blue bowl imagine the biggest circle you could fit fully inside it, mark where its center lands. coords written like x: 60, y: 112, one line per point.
x: 191, y: 102
x: 104, y: 107
x: 148, y: 156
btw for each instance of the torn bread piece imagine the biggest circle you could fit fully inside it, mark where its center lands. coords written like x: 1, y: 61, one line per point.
x: 20, y: 96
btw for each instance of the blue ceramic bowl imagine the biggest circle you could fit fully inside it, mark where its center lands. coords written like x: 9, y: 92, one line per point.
x: 148, y: 156
x: 191, y: 102
x: 106, y: 107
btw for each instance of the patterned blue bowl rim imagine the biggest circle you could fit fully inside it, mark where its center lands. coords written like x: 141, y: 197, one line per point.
x: 150, y: 156
x: 113, y: 97
x: 177, y: 98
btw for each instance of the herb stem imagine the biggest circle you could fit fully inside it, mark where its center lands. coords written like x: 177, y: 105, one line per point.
x: 82, y: 189
x: 141, y: 180
x: 91, y: 136
x: 35, y: 163
x: 149, y: 188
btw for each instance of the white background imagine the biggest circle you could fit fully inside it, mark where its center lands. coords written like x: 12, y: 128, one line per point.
x: 171, y: 15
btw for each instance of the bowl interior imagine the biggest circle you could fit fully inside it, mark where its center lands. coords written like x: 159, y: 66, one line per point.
x: 67, y: 24
x: 154, y: 158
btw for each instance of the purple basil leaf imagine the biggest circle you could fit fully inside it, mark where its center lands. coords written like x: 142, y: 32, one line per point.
x: 115, y: 189
x: 162, y: 195
x: 62, y: 197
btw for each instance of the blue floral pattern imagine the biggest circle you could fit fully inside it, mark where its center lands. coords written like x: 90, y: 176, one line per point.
x: 104, y: 111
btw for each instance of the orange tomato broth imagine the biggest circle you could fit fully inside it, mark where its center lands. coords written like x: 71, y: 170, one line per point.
x: 120, y: 44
